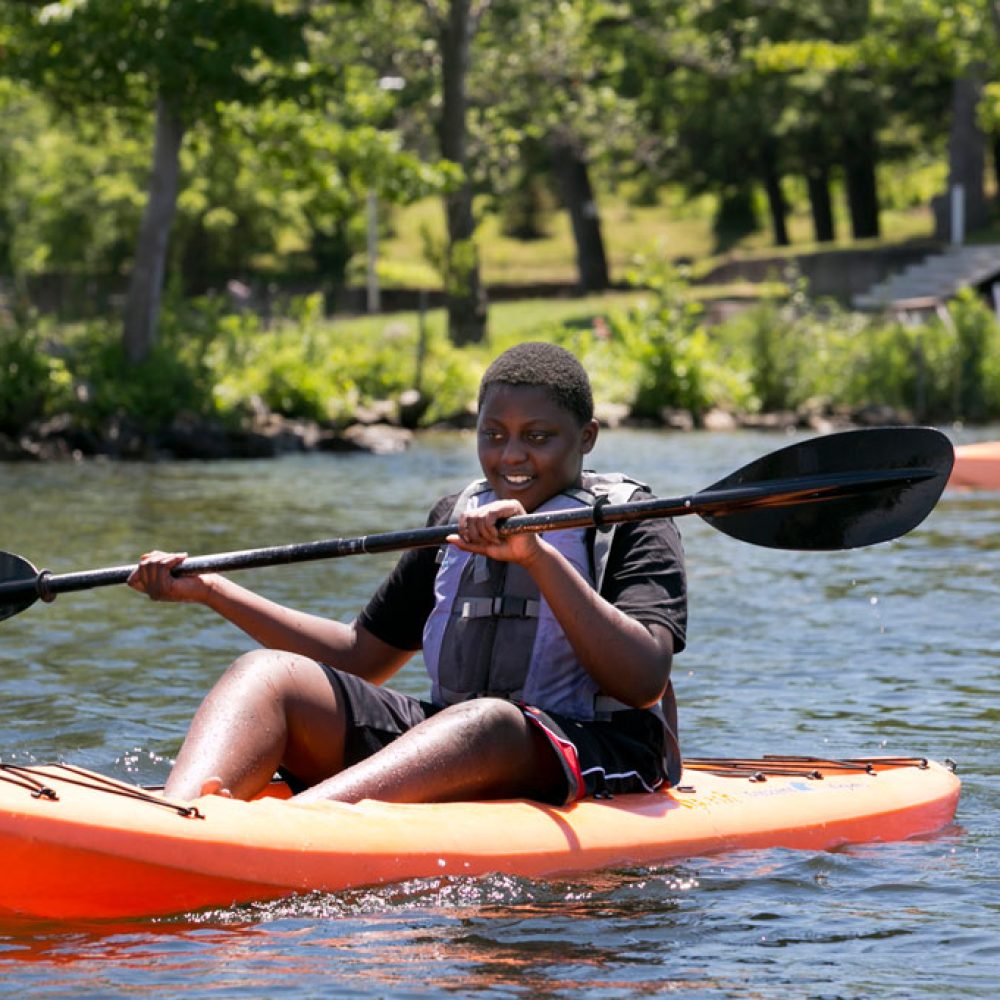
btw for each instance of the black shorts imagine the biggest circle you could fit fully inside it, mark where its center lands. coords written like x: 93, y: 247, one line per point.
x: 627, y: 753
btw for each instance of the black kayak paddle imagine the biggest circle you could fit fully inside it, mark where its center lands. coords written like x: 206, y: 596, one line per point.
x: 840, y: 491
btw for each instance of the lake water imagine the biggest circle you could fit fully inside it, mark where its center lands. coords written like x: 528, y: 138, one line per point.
x: 893, y: 649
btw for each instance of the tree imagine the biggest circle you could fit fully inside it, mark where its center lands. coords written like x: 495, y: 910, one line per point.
x: 694, y: 77
x: 176, y: 59
x: 315, y: 168
x: 833, y: 104
x: 545, y: 84
x: 455, y: 23
x: 428, y: 46
x: 935, y: 57
x: 746, y: 93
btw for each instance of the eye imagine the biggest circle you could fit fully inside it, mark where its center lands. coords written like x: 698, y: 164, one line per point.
x: 537, y: 437
x: 491, y: 435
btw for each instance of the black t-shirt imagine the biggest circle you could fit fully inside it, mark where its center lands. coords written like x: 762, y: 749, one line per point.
x: 644, y: 579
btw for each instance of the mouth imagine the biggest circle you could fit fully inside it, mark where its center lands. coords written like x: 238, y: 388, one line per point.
x: 517, y: 481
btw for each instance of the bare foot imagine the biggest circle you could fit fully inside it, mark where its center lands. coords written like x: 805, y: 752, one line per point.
x: 213, y: 786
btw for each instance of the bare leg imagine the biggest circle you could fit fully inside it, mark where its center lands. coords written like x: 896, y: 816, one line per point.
x: 268, y: 708
x: 481, y: 749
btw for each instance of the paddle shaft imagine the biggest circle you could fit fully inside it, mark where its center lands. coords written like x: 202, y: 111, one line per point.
x: 707, y: 503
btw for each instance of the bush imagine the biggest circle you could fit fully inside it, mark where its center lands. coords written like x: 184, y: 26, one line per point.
x: 941, y: 369
x: 977, y: 345
x: 308, y: 367
x: 779, y: 355
x: 33, y: 383
x: 902, y: 366
x: 666, y: 341
x: 152, y: 393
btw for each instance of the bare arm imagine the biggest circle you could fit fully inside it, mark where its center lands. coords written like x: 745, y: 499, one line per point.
x: 274, y: 626
x: 630, y: 661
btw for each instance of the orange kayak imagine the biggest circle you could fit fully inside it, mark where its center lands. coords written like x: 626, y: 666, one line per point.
x: 76, y: 844
x: 977, y: 466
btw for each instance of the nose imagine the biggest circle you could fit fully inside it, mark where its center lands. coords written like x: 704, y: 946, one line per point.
x: 513, y: 451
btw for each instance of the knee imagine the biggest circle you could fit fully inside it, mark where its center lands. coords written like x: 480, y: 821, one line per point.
x: 488, y: 717
x: 268, y: 669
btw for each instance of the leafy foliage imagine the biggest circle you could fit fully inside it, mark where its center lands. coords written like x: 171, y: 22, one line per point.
x: 125, y: 53
x: 784, y: 354
x: 33, y: 383
x: 665, y: 338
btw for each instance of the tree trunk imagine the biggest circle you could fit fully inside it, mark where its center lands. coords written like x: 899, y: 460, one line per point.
x: 862, y: 185
x: 464, y: 294
x: 967, y: 152
x: 775, y: 196
x: 142, y: 306
x: 996, y: 168
x: 573, y: 176
x: 820, y: 204
x: 331, y: 251
x: 735, y: 216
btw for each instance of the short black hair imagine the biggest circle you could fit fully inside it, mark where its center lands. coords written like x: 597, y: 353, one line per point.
x: 548, y: 367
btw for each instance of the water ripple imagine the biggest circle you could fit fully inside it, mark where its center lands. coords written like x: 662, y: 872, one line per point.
x: 894, y: 649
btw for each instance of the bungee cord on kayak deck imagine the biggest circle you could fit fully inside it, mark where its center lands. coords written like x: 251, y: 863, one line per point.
x: 759, y: 769
x: 31, y: 779
x: 812, y: 768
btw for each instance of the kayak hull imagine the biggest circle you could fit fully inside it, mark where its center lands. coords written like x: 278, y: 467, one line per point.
x: 977, y: 467
x: 89, y: 852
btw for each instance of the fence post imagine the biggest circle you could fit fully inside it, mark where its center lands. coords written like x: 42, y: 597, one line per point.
x: 957, y: 215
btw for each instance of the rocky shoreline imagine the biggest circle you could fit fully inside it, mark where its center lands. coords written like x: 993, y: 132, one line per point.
x: 383, y: 428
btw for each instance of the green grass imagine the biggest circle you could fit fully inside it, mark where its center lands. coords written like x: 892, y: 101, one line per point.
x: 507, y: 319
x: 675, y: 229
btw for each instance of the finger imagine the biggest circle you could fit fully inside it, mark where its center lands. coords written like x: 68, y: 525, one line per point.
x: 165, y: 559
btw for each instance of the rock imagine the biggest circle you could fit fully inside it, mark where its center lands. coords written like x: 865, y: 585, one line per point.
x: 462, y: 420
x: 412, y: 405
x: 611, y: 415
x: 250, y: 444
x: 9, y: 450
x: 65, y: 428
x: 192, y: 437
x: 676, y: 419
x: 50, y: 450
x: 287, y: 435
x: 379, y: 439
x: 880, y: 415
x: 381, y: 411
x: 819, y: 423
x: 123, y: 438
x: 781, y: 420
x: 719, y: 420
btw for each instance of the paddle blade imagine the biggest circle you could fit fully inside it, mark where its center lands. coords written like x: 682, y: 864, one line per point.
x: 21, y: 576
x: 853, y: 503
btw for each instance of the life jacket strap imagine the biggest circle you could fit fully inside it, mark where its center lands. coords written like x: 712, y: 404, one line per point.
x: 605, y: 706
x: 504, y: 606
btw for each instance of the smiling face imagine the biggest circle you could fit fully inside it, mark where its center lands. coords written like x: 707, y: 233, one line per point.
x: 530, y: 447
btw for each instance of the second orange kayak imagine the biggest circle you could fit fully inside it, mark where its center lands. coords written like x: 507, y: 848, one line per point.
x: 977, y: 466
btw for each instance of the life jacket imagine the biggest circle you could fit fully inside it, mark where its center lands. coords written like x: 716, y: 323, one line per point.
x: 491, y: 633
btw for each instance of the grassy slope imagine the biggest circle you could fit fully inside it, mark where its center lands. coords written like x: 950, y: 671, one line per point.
x: 672, y: 229
x: 516, y: 320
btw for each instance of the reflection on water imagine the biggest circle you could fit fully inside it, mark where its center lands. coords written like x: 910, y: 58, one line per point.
x: 894, y: 649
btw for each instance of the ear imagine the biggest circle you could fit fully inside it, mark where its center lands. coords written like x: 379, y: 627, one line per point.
x: 588, y: 436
